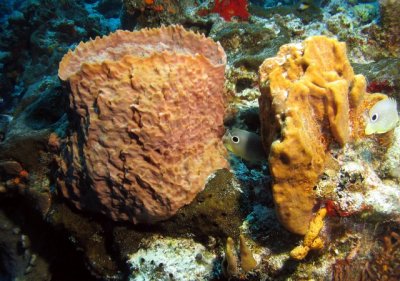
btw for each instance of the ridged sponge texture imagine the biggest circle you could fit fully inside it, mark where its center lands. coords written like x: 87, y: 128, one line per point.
x: 147, y: 111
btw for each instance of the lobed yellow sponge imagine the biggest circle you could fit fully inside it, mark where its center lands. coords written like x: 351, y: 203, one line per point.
x: 310, y: 100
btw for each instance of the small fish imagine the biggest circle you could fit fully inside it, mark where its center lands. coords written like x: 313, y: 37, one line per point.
x: 382, y: 117
x: 6, y: 118
x: 244, y: 144
x: 303, y: 5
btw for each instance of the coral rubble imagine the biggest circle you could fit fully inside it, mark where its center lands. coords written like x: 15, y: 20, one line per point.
x: 148, y: 111
x: 153, y: 13
x: 166, y: 258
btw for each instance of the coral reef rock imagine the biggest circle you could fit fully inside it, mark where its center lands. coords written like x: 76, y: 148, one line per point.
x: 390, y: 22
x: 166, y: 258
x: 311, y: 102
x: 147, y: 113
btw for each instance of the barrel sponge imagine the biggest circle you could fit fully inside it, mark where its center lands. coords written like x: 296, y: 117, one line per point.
x: 310, y: 99
x: 147, y: 113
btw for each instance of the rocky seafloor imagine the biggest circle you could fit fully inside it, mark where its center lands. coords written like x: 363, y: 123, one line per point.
x: 45, y: 237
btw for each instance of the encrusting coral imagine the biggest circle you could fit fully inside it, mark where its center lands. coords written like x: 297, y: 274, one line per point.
x: 231, y: 8
x: 311, y: 102
x: 147, y: 114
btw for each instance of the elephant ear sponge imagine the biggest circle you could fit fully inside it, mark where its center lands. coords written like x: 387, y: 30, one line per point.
x: 146, y: 122
x: 311, y: 101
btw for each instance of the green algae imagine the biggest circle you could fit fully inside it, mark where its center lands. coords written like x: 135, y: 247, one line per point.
x: 365, y: 12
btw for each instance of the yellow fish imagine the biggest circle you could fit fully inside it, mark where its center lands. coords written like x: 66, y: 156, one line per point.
x: 382, y: 117
x: 244, y: 144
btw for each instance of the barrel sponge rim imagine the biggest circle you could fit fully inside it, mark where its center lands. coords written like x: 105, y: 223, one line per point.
x: 142, y: 43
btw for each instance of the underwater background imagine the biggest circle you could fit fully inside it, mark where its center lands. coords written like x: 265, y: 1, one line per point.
x: 210, y: 140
